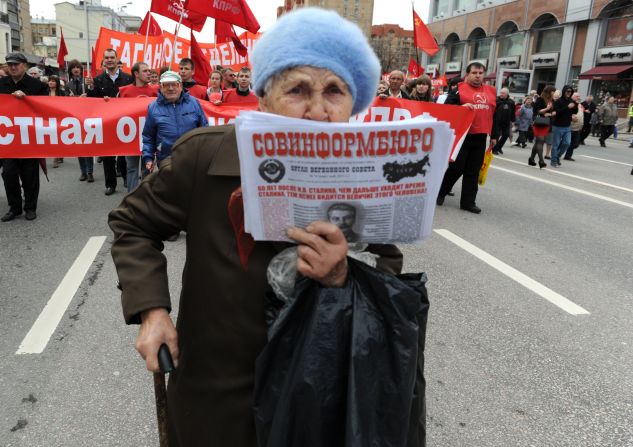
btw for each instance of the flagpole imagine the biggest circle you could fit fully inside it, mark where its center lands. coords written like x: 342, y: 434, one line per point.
x: 417, y: 53
x: 87, y: 37
x: 146, y: 37
x: 173, y: 50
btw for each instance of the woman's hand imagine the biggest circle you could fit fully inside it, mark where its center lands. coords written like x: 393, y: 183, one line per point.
x: 322, y: 253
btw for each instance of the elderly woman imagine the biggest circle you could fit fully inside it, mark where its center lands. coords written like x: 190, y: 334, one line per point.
x: 311, y: 64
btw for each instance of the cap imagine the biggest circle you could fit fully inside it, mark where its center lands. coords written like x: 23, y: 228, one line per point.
x: 170, y: 76
x: 15, y: 58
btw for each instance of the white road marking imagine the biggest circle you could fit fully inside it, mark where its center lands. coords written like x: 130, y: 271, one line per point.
x: 566, y: 174
x: 512, y: 273
x: 604, y: 159
x: 569, y: 188
x: 37, y: 338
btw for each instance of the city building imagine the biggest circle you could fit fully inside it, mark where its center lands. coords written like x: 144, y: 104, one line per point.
x: 358, y: 11
x: 584, y: 43
x: 5, y: 30
x: 393, y: 46
x: 44, y: 36
x: 24, y: 19
x: 81, y: 24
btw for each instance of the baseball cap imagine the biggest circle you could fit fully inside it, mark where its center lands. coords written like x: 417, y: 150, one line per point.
x: 15, y: 58
x: 170, y: 76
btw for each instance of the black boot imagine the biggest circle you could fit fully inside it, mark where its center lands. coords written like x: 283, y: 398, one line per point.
x: 531, y: 162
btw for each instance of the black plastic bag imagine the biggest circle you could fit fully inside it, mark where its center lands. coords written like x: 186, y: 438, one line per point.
x: 342, y: 366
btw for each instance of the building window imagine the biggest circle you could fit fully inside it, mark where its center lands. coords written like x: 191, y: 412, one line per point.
x: 440, y: 7
x: 481, y: 48
x: 619, y: 32
x: 81, y: 35
x: 549, y: 40
x: 511, y: 45
x: 456, y: 52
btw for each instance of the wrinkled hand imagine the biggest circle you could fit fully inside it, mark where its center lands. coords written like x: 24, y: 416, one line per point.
x: 89, y: 81
x: 217, y: 102
x: 18, y: 94
x: 322, y: 253
x: 383, y: 96
x: 156, y: 329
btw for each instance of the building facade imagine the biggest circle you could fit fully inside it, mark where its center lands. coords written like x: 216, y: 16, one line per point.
x: 393, y: 46
x: 5, y: 30
x: 81, y: 24
x: 24, y: 19
x: 584, y: 43
x: 44, y: 36
x: 360, y: 12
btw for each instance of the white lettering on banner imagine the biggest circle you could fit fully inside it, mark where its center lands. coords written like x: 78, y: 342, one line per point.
x: 141, y: 126
x: 225, y: 55
x: 157, y: 56
x: 178, y: 52
x: 94, y: 131
x: 72, y: 135
x: 24, y: 122
x: 42, y: 130
x: 126, y: 129
x: 115, y: 44
x: 380, y: 113
x: 138, y: 47
x: 222, y: 5
x: 125, y: 54
x: 8, y: 138
x: 168, y: 51
x: 401, y: 114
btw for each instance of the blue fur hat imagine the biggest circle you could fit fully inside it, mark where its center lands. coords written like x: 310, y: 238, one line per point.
x: 321, y: 39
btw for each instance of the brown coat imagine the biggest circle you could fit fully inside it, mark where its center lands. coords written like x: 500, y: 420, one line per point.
x: 221, y: 324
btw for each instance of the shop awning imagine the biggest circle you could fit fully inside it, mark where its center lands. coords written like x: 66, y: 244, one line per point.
x: 491, y: 77
x: 450, y: 76
x: 606, y: 72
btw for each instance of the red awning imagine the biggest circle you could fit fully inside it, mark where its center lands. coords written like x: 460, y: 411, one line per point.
x: 606, y: 72
x: 450, y: 76
x: 491, y: 77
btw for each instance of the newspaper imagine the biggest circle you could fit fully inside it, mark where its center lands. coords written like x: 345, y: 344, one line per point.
x: 377, y: 181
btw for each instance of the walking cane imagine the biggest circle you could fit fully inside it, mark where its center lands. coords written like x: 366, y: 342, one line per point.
x: 166, y: 365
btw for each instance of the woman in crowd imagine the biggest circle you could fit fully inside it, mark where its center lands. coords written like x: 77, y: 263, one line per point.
x: 548, y: 138
x: 543, y: 110
x: 422, y: 89
x: 215, y: 92
x: 383, y: 87
x: 55, y: 89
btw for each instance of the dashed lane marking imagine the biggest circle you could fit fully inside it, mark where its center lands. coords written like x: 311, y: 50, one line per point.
x: 604, y: 159
x: 566, y: 174
x: 569, y: 188
x: 37, y: 338
x: 512, y: 273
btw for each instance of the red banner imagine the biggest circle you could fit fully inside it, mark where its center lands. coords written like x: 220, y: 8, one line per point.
x: 160, y: 49
x: 44, y: 126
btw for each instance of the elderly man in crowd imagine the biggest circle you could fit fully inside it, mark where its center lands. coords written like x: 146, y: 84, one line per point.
x: 396, y: 79
x: 21, y: 171
x: 505, y: 115
x: 608, y: 113
x: 326, y: 72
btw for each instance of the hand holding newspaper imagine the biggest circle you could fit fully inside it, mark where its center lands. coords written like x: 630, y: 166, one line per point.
x: 377, y: 182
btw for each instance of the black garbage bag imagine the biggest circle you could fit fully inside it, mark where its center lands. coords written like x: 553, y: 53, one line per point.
x: 342, y: 366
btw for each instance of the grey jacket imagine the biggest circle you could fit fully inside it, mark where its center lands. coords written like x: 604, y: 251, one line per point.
x: 608, y: 114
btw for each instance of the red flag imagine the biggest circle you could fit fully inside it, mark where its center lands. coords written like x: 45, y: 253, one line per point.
x: 173, y: 9
x: 414, y: 69
x: 63, y: 51
x: 93, y: 66
x: 200, y: 61
x: 422, y: 36
x: 149, y: 26
x: 224, y: 32
x: 234, y: 12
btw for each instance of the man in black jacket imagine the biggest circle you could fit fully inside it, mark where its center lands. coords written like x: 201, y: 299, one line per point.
x: 21, y: 170
x: 589, y: 109
x: 505, y: 115
x: 564, y: 108
x: 106, y: 85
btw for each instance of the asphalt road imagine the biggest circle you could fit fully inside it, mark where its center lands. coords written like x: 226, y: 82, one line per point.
x: 507, y: 363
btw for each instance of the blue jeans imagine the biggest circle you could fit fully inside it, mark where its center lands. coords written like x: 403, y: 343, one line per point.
x: 132, y: 162
x: 86, y: 164
x: 561, y: 138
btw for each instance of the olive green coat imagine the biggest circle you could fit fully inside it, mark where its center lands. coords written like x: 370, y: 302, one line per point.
x: 221, y: 322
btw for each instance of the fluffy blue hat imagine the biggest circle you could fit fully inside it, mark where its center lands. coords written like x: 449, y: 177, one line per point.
x: 321, y: 39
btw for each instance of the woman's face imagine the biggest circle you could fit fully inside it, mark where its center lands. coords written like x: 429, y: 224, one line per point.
x: 52, y: 84
x: 422, y: 88
x: 309, y: 93
x: 382, y: 88
x: 216, y: 79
